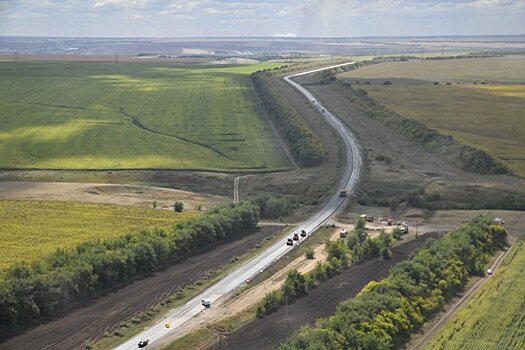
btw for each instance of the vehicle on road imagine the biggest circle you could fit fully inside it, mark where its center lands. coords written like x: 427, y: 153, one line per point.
x: 303, y: 233
x: 143, y: 343
x: 206, y: 302
x: 295, y: 236
x: 489, y: 272
x: 343, y: 193
x: 403, y: 229
x: 289, y: 241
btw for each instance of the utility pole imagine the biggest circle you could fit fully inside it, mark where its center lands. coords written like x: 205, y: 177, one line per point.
x: 286, y: 301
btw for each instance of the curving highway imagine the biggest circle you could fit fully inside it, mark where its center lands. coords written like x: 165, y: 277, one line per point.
x: 158, y: 333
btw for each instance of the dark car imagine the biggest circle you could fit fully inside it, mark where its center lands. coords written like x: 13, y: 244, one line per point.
x: 303, y: 233
x: 295, y: 237
x: 289, y: 241
x: 143, y: 343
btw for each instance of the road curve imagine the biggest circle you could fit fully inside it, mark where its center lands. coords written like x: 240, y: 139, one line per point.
x: 158, y: 333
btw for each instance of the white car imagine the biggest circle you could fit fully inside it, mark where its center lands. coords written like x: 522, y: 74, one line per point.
x: 206, y: 302
x: 489, y: 272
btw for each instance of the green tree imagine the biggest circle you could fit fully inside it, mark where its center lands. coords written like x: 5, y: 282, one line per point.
x: 178, y: 206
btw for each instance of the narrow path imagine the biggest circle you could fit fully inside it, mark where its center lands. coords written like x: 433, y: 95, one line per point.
x: 420, y: 343
x: 138, y: 124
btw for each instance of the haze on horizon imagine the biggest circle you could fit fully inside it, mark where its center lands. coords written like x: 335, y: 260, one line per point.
x: 254, y: 18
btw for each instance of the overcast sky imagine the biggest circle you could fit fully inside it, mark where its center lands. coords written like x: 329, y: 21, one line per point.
x: 307, y: 18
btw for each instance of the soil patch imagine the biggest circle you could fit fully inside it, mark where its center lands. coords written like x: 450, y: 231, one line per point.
x: 137, y: 196
x: 90, y: 322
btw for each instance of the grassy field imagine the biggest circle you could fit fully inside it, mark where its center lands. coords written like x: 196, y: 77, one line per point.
x: 32, y: 229
x: 494, y: 317
x: 70, y: 115
x: 488, y: 116
x: 508, y: 69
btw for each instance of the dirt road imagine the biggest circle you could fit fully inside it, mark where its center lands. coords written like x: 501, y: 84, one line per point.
x: 268, y: 332
x: 92, y: 321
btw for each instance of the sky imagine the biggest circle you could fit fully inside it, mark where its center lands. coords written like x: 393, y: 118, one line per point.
x: 249, y: 18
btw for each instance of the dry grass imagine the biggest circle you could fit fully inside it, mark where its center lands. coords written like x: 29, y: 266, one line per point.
x: 489, y: 117
x: 509, y: 69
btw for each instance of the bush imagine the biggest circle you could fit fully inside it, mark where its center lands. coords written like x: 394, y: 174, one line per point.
x: 309, y: 253
x: 178, y: 206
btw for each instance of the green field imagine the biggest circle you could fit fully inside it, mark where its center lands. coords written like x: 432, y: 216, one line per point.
x: 33, y: 229
x: 489, y: 116
x: 69, y: 115
x: 494, y: 317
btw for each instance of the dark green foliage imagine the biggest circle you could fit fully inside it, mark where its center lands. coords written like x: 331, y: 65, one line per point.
x: 309, y: 253
x: 274, y: 207
x: 463, y: 156
x: 60, y: 281
x: 384, y: 314
x: 304, y: 145
x: 178, y: 206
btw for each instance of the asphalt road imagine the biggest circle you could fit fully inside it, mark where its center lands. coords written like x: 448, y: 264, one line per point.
x: 158, y: 333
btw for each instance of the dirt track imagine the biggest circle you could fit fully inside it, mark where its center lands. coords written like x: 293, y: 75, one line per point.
x: 93, y: 320
x: 268, y: 332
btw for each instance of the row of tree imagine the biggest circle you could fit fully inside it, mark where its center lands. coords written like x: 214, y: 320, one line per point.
x: 274, y: 207
x: 463, y: 156
x: 385, y: 313
x: 49, y: 287
x: 341, y: 253
x: 303, y: 144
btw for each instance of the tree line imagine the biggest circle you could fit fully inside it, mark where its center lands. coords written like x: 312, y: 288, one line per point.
x: 463, y: 156
x: 303, y: 144
x: 341, y: 254
x: 52, y: 286
x: 385, y: 313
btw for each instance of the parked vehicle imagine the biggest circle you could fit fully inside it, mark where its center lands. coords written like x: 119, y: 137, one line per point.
x: 343, y: 233
x: 499, y: 221
x: 206, y: 302
x: 367, y: 218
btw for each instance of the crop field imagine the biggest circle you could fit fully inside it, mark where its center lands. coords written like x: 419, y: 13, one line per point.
x: 487, y: 116
x: 494, y: 317
x: 507, y: 69
x: 32, y: 229
x: 71, y: 115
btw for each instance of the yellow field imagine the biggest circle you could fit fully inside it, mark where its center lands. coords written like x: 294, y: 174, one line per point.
x: 32, y: 229
x: 494, y: 317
